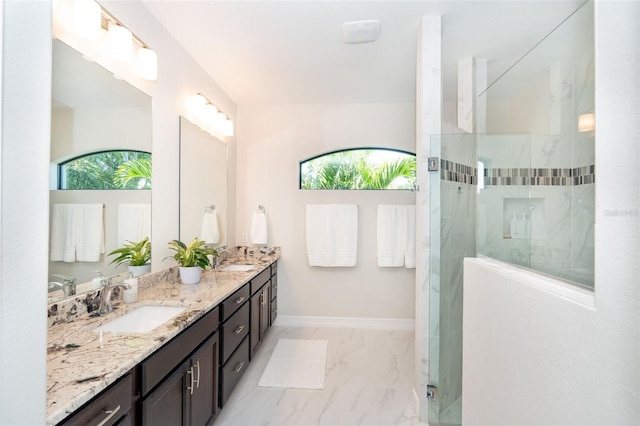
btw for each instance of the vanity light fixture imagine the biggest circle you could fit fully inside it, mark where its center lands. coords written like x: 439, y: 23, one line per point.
x: 120, y: 42
x: 147, y: 64
x: 209, y: 117
x: 87, y: 19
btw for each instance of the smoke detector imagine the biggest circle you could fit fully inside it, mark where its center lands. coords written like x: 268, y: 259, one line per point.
x: 356, y: 32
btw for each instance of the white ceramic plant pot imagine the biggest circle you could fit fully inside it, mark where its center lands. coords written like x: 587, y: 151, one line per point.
x: 136, y: 271
x: 190, y: 274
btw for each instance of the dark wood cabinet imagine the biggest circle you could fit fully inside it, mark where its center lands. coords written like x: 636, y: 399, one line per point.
x: 189, y: 379
x: 189, y: 396
x: 260, y: 315
x: 235, y: 341
x: 111, y: 407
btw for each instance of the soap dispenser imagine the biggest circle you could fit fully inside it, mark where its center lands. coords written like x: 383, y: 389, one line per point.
x: 513, y: 227
x: 130, y: 294
x: 96, y: 282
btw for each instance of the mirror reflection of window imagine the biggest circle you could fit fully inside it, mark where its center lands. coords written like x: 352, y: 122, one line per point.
x: 370, y: 168
x: 107, y: 170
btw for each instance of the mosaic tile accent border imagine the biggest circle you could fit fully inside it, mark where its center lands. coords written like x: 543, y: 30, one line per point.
x: 456, y: 172
x: 540, y: 177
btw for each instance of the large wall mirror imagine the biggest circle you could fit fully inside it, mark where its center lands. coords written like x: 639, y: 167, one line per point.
x: 203, y: 185
x: 94, y: 112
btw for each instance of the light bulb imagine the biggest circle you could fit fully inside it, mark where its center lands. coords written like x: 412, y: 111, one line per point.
x: 87, y: 17
x: 147, y: 64
x: 120, y: 43
x: 227, y: 127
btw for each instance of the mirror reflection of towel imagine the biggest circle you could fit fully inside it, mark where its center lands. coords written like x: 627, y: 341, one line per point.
x: 134, y: 222
x: 209, y: 230
x: 77, y: 232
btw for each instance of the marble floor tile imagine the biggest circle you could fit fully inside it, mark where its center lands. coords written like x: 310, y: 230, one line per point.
x: 368, y: 382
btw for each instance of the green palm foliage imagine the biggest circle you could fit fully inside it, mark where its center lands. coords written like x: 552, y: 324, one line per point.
x: 355, y: 169
x: 134, y: 174
x: 108, y: 170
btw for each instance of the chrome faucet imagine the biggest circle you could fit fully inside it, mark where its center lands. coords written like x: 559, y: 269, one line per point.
x: 219, y: 255
x: 106, y: 289
x: 68, y: 285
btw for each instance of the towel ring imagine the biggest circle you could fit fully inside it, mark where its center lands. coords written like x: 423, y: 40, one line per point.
x: 211, y: 207
x: 261, y: 208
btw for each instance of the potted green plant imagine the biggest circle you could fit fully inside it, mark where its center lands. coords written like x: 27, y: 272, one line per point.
x: 192, y: 258
x: 136, y: 254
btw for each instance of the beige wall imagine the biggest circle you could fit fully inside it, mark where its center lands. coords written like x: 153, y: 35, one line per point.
x: 271, y: 142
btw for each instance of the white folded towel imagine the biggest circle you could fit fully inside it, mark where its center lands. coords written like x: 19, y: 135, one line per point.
x: 332, y: 234
x: 258, y: 232
x: 410, y: 253
x: 77, y: 232
x: 63, y: 240
x: 396, y: 236
x: 209, y: 230
x: 89, y: 224
x: 134, y: 222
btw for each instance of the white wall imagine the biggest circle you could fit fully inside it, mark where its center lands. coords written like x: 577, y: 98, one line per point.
x: 26, y: 104
x: 24, y: 167
x: 532, y: 357
x: 272, y: 140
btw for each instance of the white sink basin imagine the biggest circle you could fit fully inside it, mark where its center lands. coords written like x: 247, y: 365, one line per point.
x: 237, y: 268
x: 142, y: 319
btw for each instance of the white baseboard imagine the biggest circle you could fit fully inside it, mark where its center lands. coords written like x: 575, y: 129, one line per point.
x: 345, y: 322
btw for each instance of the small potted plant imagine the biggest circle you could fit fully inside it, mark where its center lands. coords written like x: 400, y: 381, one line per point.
x: 192, y: 258
x: 137, y: 255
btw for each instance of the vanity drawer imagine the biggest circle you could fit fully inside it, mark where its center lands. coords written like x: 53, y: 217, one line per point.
x: 234, y: 369
x: 260, y: 280
x: 234, y: 302
x: 114, y: 402
x: 234, y: 330
x: 161, y: 363
x: 274, y: 268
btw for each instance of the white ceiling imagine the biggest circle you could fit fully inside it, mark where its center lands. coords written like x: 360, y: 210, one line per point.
x: 281, y: 52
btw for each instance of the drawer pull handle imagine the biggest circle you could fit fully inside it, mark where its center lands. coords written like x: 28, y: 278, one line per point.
x: 190, y: 388
x: 239, y: 329
x: 238, y: 367
x: 239, y: 300
x: 198, y: 375
x: 110, y: 413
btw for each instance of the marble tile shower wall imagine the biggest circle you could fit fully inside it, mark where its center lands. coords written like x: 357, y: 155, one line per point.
x: 557, y: 203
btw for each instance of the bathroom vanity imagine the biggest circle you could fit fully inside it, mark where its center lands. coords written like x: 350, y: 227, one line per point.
x: 180, y: 373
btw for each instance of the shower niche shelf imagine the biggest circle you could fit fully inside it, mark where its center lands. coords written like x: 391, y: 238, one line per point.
x: 523, y: 219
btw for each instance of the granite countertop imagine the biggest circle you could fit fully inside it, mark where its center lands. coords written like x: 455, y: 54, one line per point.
x: 81, y: 363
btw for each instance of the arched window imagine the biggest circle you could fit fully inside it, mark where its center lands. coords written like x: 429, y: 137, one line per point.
x: 107, y: 170
x: 360, y: 168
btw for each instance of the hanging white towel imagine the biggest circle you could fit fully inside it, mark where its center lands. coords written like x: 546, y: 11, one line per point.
x: 134, y: 222
x: 392, y: 236
x: 89, y: 224
x: 209, y: 229
x: 258, y: 232
x: 396, y: 236
x: 63, y: 240
x: 332, y: 234
x: 77, y: 232
x: 410, y: 253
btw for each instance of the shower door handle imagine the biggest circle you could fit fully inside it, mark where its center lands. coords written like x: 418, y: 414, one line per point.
x: 433, y: 164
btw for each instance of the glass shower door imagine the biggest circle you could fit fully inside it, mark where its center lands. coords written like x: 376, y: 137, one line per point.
x: 453, y: 190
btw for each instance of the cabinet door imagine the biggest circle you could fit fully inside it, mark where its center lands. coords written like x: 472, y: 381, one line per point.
x: 204, y: 400
x: 265, y: 310
x: 168, y: 404
x: 255, y: 320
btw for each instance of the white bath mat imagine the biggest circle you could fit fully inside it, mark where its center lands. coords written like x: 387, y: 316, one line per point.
x: 297, y: 364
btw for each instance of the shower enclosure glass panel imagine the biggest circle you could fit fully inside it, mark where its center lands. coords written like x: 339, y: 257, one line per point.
x: 539, y: 150
x: 453, y: 237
